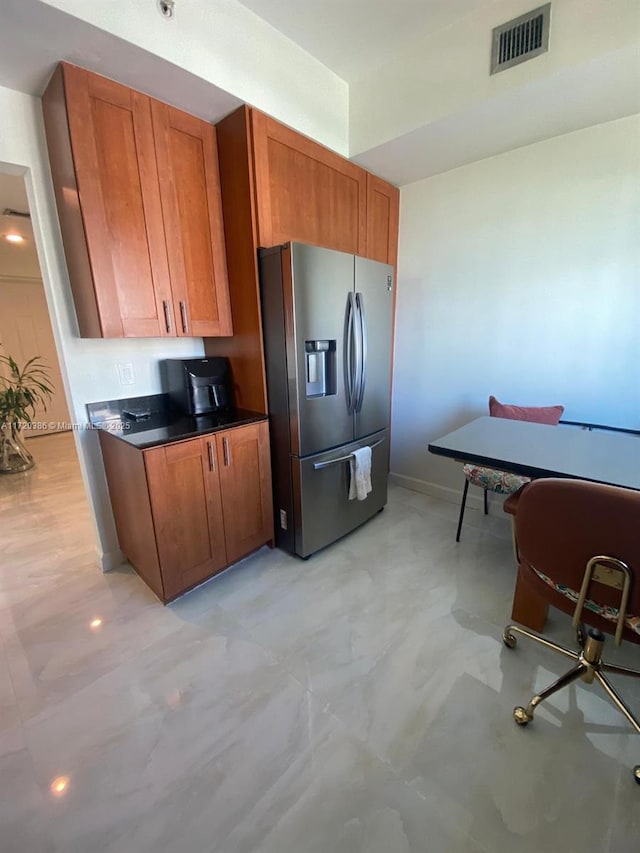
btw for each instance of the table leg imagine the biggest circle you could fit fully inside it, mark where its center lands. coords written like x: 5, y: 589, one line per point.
x: 529, y: 608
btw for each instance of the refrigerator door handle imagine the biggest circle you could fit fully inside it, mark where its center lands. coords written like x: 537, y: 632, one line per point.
x: 362, y: 367
x: 350, y: 346
x: 318, y: 465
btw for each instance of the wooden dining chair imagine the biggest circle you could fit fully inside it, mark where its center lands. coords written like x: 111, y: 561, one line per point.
x: 579, y: 550
x: 503, y: 482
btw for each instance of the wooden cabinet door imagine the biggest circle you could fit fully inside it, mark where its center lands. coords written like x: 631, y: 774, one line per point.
x: 192, y: 209
x: 245, y: 482
x: 306, y: 192
x: 383, y: 209
x: 111, y: 136
x: 184, y: 488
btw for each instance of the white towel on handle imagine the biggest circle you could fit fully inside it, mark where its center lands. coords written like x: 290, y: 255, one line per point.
x: 360, y: 465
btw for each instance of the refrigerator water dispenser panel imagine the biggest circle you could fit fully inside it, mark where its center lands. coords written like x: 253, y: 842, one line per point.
x: 321, y: 368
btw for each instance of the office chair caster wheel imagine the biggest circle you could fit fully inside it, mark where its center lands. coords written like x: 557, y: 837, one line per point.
x: 521, y: 716
x: 509, y: 640
x: 636, y: 774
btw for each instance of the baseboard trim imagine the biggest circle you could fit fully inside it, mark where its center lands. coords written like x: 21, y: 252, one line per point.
x: 435, y: 490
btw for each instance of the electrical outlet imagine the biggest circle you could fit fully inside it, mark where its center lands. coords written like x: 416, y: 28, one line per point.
x: 126, y: 374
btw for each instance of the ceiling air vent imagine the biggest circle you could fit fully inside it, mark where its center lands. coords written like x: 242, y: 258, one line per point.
x: 520, y: 39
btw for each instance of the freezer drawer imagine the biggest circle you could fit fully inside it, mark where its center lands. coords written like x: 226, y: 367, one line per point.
x: 322, y: 509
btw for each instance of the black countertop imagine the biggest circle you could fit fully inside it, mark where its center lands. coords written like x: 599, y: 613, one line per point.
x: 153, y: 421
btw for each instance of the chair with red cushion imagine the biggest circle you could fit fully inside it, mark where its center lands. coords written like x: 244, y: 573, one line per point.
x: 579, y: 550
x: 503, y: 482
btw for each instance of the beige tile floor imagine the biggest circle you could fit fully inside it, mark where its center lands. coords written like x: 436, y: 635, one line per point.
x: 360, y: 701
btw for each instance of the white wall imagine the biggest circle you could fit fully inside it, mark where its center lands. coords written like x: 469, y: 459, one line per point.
x: 446, y: 73
x: 25, y: 332
x: 89, y: 367
x: 519, y: 276
x: 224, y: 43
x: 18, y: 259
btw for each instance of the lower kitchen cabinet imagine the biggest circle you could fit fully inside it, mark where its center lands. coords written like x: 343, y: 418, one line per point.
x: 186, y: 504
x: 245, y: 485
x: 186, y: 510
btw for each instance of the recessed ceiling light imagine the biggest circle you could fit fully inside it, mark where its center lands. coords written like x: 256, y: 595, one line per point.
x: 59, y: 786
x: 14, y: 238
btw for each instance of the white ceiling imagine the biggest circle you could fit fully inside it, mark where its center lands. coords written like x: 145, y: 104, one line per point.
x: 352, y: 37
x: 34, y: 37
x: 603, y: 90
x: 13, y: 195
x: 348, y: 36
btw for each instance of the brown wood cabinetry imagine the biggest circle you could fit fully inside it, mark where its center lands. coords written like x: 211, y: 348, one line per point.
x: 138, y: 196
x: 383, y: 209
x: 187, y: 510
x: 186, y: 505
x: 245, y: 483
x: 192, y: 209
x: 278, y: 185
x: 306, y: 192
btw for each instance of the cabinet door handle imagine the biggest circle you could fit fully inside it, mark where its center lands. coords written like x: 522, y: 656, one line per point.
x: 167, y: 315
x: 212, y: 458
x: 227, y: 452
x: 183, y: 317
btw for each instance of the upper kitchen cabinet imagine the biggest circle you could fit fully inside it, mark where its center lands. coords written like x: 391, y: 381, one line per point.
x: 278, y: 186
x: 101, y: 148
x: 142, y: 263
x: 383, y: 209
x: 306, y: 192
x: 192, y: 209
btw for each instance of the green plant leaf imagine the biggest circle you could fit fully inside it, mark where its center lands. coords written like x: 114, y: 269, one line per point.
x: 24, y: 390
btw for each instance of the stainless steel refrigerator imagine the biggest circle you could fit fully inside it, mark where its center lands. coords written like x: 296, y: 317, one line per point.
x: 327, y: 324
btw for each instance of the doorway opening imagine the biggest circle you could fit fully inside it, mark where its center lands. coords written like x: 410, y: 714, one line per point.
x: 44, y: 508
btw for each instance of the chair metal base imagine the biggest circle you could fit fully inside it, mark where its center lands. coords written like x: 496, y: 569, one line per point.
x: 589, y: 666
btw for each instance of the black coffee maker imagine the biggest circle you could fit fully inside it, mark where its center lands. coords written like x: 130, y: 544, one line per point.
x: 198, y: 386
